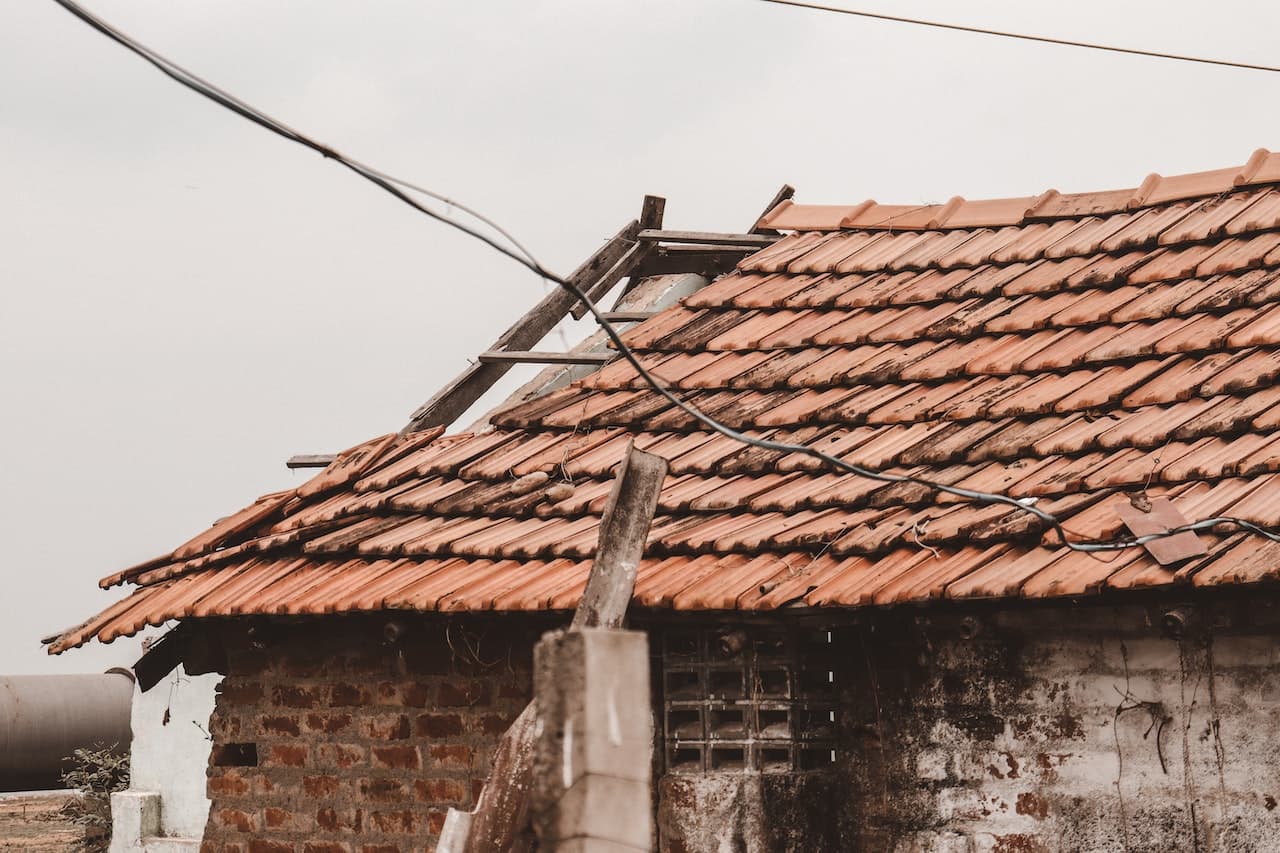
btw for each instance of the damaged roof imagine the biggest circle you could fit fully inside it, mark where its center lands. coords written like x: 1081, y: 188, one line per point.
x: 1070, y: 349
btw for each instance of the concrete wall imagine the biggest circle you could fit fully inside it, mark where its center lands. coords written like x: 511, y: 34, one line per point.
x: 171, y: 745
x: 1065, y: 729
x: 166, y: 802
x: 329, y: 740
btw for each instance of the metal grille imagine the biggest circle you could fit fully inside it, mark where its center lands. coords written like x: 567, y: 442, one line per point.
x: 749, y: 698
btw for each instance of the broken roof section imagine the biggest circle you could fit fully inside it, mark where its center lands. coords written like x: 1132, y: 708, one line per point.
x: 1069, y: 349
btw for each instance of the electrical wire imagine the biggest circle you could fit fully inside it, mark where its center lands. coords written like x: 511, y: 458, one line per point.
x: 526, y: 259
x: 898, y: 19
x: 387, y: 182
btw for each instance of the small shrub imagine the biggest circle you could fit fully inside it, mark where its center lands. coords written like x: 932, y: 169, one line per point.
x: 96, y: 773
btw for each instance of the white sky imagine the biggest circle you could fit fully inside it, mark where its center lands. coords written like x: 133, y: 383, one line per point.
x: 186, y: 301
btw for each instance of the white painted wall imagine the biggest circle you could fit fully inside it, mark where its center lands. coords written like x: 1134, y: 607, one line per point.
x: 169, y: 755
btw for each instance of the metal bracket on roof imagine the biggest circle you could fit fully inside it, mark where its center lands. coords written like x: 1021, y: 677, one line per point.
x: 1145, y: 516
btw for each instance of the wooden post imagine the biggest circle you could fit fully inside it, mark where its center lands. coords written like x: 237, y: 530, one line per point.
x: 500, y: 822
x: 782, y: 195
x: 623, y: 530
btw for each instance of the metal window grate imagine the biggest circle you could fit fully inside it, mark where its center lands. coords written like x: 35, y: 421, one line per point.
x: 749, y: 699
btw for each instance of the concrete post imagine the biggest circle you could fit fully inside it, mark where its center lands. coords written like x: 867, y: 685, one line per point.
x: 592, y: 759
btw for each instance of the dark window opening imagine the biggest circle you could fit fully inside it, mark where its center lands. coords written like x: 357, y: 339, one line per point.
x: 749, y: 699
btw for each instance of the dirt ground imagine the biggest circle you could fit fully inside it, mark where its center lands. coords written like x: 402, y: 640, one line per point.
x: 30, y: 822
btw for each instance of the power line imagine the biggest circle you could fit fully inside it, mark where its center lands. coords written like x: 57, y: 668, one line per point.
x: 1155, y: 54
x: 224, y: 99
x: 526, y: 259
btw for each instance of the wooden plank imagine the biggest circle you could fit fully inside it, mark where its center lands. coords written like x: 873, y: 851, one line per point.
x: 448, y: 404
x: 623, y: 531
x: 501, y: 817
x: 310, y: 460
x: 779, y: 197
x: 651, y: 211
x: 627, y: 316
x: 620, y: 270
x: 710, y: 238
x: 536, y: 357
x: 702, y: 262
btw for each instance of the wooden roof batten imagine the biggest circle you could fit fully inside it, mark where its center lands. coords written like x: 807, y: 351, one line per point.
x: 640, y: 250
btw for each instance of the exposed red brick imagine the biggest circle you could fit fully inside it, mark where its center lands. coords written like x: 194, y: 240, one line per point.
x: 383, y: 790
x: 235, y: 691
x: 413, y: 695
x: 388, y: 727
x: 293, y: 696
x: 327, y: 723
x: 326, y: 847
x: 350, y: 695
x: 235, y: 819
x: 435, y: 821
x: 226, y: 784
x: 330, y: 819
x: 320, y: 786
x: 288, y: 755
x: 259, y: 845
x: 274, y: 818
x: 438, y: 725
x: 462, y: 693
x: 396, y: 757
x: 340, y: 754
x: 452, y: 755
x: 493, y: 724
x: 394, y: 822
x: 282, y: 726
x: 441, y: 791
x: 380, y: 848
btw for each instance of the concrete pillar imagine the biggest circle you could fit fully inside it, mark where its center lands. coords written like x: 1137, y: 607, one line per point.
x: 592, y: 760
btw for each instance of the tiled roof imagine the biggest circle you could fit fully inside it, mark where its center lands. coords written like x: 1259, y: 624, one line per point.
x: 1068, y: 348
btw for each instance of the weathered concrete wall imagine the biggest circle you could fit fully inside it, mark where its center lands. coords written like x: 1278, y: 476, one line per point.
x: 171, y: 748
x: 329, y: 740
x: 1065, y: 729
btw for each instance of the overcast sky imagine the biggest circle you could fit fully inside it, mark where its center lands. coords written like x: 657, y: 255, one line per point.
x: 187, y: 301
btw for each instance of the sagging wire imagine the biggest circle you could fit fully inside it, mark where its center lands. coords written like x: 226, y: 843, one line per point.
x: 985, y: 31
x: 525, y: 258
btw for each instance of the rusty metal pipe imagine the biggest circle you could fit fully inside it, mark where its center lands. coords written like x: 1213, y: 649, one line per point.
x: 45, y: 718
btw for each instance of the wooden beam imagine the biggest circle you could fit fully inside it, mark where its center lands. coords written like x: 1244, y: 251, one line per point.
x: 709, y: 262
x: 624, y: 267
x: 651, y: 211
x: 535, y: 357
x: 448, y: 404
x: 623, y: 531
x: 310, y: 460
x: 500, y: 820
x: 779, y: 197
x: 712, y: 238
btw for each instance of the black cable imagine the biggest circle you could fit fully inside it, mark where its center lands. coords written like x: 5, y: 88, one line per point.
x: 224, y: 99
x: 524, y: 258
x: 1155, y: 54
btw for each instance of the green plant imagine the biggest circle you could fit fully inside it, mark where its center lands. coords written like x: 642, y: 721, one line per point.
x: 97, y: 773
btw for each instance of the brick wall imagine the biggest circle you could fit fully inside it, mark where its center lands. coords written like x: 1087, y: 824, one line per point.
x: 327, y: 740
x: 1053, y: 729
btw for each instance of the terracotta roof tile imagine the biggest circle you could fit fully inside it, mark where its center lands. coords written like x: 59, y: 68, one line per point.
x: 1065, y: 348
